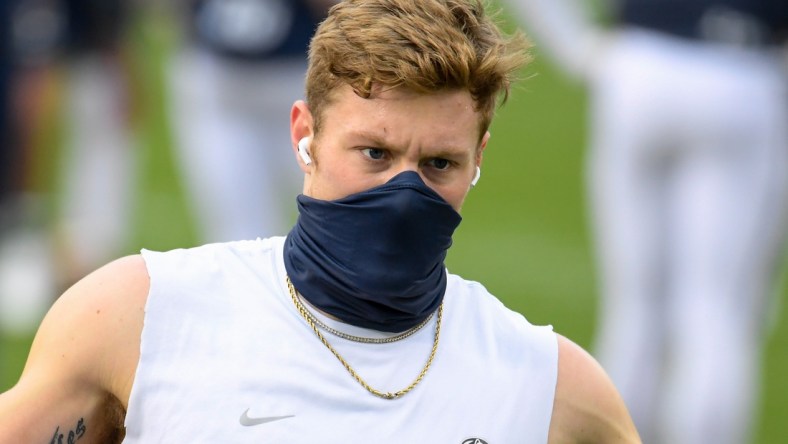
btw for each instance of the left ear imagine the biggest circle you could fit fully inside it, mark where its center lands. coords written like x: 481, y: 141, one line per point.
x: 478, y: 159
x: 482, y: 147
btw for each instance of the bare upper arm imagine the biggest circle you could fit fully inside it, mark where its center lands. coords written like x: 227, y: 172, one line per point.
x: 588, y: 408
x: 81, y: 366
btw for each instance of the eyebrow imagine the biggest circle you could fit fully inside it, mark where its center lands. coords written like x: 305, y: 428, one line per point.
x: 375, y: 140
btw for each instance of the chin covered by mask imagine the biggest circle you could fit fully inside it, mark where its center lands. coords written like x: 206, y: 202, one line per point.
x: 373, y: 259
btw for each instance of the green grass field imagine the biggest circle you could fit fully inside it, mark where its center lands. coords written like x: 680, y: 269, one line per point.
x: 524, y: 233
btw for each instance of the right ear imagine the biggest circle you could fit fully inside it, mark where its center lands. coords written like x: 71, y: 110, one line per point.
x: 301, y: 134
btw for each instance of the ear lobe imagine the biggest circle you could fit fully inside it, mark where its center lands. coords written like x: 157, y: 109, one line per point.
x: 476, y: 177
x: 303, y: 150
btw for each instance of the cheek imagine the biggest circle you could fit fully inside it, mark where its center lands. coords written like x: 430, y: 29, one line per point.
x: 330, y: 182
x: 453, y: 195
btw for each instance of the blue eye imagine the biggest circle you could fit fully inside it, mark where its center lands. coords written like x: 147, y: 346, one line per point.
x: 374, y: 153
x: 440, y: 164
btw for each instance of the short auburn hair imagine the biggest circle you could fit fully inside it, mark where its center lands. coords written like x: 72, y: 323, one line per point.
x: 423, y: 45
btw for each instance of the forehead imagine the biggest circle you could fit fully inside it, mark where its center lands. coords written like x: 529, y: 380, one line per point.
x: 448, y: 117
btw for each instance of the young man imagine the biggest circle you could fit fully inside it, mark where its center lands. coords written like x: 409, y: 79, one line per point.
x: 350, y: 329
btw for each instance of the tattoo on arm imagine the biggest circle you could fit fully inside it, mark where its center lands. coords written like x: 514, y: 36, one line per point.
x: 72, y: 436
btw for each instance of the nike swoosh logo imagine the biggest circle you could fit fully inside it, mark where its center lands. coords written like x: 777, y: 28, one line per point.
x: 247, y: 421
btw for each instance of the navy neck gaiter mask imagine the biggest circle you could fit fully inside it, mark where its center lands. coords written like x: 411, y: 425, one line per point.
x: 373, y: 259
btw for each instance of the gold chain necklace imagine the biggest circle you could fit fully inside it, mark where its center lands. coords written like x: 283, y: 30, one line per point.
x: 385, y: 395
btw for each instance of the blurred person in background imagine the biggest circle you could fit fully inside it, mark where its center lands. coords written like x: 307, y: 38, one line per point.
x: 98, y: 164
x: 30, y: 31
x: 70, y: 66
x: 9, y: 156
x: 687, y: 179
x: 233, y: 78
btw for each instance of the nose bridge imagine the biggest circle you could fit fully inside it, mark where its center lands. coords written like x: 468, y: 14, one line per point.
x: 407, y: 164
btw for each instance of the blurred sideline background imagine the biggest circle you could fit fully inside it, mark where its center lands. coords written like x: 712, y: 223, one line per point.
x: 524, y: 235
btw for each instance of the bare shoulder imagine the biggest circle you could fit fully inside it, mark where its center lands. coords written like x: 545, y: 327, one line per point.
x: 81, y: 366
x: 588, y: 408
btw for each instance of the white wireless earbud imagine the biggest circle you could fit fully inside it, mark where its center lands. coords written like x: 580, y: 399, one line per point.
x: 476, y: 177
x: 303, y: 150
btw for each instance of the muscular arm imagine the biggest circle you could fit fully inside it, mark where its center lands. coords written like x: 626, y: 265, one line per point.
x: 588, y: 408
x: 77, y: 379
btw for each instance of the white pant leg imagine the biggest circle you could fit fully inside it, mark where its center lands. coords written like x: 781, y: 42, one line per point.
x: 27, y: 268
x: 627, y: 194
x: 99, y: 165
x: 232, y: 127
x: 728, y: 211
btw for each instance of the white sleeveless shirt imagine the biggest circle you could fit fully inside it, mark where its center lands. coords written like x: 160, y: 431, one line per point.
x: 222, y: 339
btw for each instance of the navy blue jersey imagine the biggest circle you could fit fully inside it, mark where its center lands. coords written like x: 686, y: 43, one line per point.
x: 255, y: 29
x: 760, y: 21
